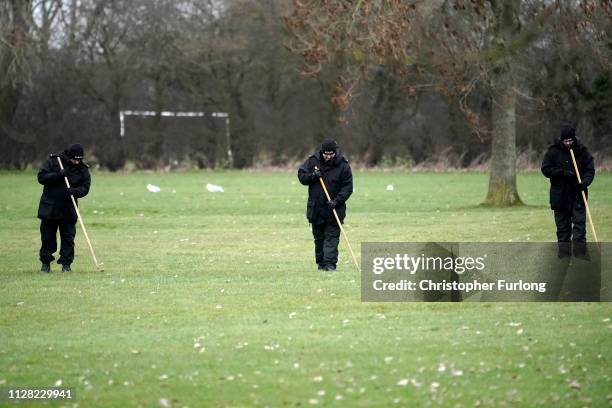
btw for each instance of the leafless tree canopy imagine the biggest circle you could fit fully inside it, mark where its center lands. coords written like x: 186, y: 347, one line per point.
x: 396, y: 82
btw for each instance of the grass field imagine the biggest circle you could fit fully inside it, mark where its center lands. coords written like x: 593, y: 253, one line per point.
x: 214, y: 299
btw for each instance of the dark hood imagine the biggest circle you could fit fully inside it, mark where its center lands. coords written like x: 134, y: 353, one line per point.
x: 66, y: 161
x: 339, y: 158
x: 577, y: 146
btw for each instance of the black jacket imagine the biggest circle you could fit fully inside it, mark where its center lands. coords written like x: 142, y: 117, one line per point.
x: 557, y: 160
x: 55, y: 203
x: 338, y: 179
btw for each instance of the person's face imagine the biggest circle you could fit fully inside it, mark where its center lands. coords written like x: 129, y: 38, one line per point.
x: 568, y: 142
x: 327, y: 156
x: 75, y: 161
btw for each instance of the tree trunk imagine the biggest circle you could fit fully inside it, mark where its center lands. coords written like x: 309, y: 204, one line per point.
x: 502, y: 179
x: 112, y: 154
x: 13, y: 58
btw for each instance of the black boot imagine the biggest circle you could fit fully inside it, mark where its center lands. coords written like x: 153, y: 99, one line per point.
x: 580, y: 251
x: 564, y: 249
x: 45, y: 268
x: 66, y: 268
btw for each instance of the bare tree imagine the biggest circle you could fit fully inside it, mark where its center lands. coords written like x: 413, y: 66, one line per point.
x: 15, y: 57
x: 457, y: 47
x: 397, y: 82
x: 105, y: 65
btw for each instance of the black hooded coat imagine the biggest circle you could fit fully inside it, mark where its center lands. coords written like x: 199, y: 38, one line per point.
x: 338, y: 179
x: 55, y: 203
x: 564, y: 190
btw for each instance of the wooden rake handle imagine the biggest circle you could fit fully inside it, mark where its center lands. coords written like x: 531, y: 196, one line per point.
x: 339, y: 224
x: 584, y: 199
x: 76, y: 208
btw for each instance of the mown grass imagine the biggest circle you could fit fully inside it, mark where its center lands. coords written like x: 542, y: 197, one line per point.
x: 214, y: 299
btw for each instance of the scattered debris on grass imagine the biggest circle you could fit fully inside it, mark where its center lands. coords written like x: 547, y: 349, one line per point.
x: 214, y: 188
x: 153, y: 188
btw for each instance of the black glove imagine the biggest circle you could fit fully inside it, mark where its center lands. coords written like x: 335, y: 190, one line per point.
x: 71, y: 191
x: 316, y: 173
x: 332, y: 204
x: 581, y: 186
x: 63, y: 172
x: 569, y: 174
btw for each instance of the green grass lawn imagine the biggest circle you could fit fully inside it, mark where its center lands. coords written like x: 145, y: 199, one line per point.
x: 214, y: 299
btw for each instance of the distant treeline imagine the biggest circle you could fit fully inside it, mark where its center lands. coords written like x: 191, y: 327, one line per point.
x: 68, y: 68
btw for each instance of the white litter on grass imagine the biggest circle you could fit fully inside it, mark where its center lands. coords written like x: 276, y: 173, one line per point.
x: 390, y: 187
x: 152, y: 188
x: 214, y: 188
x: 459, y: 373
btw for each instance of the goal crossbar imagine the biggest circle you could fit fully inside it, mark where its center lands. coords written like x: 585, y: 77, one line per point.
x: 124, y: 113
x: 225, y: 115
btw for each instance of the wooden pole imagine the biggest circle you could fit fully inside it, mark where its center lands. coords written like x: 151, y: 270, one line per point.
x: 586, y: 204
x: 340, y: 224
x: 76, y: 208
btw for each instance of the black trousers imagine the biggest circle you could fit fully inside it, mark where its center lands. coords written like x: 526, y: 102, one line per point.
x: 571, y: 223
x: 48, y: 237
x: 571, y: 226
x: 326, y: 239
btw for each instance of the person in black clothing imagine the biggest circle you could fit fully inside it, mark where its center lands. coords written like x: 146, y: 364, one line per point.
x: 56, y: 210
x: 565, y: 190
x: 330, y: 164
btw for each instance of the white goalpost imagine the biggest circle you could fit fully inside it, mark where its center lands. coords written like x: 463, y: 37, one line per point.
x: 228, y: 140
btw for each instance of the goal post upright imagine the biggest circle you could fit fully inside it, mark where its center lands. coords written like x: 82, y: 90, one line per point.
x: 228, y: 139
x: 225, y: 115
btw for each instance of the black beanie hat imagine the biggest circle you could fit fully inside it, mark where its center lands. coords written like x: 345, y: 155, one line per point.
x: 75, y: 152
x: 568, y: 132
x: 329, y: 145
